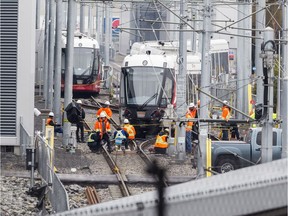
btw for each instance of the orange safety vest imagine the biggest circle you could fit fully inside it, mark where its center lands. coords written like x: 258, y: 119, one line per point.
x: 130, y: 130
x: 98, y: 127
x: 48, y: 121
x: 226, y: 113
x: 105, y: 109
x: 161, y: 141
x: 190, y: 115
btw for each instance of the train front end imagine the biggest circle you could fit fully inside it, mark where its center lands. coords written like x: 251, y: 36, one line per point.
x: 87, y: 65
x: 147, y: 87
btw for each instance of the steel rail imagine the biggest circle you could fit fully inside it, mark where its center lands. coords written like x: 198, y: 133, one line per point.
x: 122, y: 182
x: 100, y: 104
x: 146, y: 158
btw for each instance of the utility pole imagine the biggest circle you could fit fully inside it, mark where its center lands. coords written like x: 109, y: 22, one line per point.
x: 247, y: 56
x: 69, y: 67
x: 181, y: 85
x: 90, y: 20
x: 284, y: 107
x: 58, y: 55
x: 240, y: 59
x: 51, y: 55
x: 205, y: 81
x: 267, y: 130
x: 82, y: 18
x: 108, y: 30
x: 46, y: 51
x: 38, y: 6
x: 260, y: 24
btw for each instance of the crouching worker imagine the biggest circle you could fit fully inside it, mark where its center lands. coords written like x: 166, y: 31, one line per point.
x: 161, y: 143
x: 103, y: 129
x: 121, y: 138
x: 93, y: 142
x: 50, y: 121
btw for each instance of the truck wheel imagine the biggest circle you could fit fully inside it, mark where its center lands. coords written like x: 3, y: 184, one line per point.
x: 226, y: 165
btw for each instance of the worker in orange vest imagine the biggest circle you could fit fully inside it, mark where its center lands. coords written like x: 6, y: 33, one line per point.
x: 225, y: 116
x: 161, y: 143
x: 50, y: 121
x: 107, y: 110
x: 129, y: 129
x: 103, y: 130
x: 190, y: 114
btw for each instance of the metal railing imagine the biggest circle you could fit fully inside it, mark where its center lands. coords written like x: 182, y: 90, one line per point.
x: 56, y: 192
x: 26, y: 140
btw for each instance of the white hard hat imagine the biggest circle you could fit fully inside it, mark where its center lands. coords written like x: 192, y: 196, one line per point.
x: 191, y: 105
x: 225, y: 102
x: 79, y: 102
x: 167, y: 130
x: 126, y: 121
x: 103, y: 114
x: 51, y: 114
x: 107, y: 102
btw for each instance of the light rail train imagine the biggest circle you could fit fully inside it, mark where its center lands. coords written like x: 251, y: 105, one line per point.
x: 148, y: 80
x: 87, y: 64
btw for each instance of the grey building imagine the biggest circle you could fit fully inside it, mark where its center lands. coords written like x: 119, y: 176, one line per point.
x: 17, y: 72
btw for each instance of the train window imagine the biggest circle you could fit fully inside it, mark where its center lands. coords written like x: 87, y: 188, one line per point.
x: 83, y: 61
x: 142, y: 85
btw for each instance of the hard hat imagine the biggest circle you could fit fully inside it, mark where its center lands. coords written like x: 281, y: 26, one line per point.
x: 126, y: 121
x: 103, y: 114
x: 107, y: 102
x: 51, y: 114
x: 225, y: 102
x: 167, y: 130
x: 79, y: 102
x: 191, y: 105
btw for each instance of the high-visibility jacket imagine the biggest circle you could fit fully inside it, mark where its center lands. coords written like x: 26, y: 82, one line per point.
x: 50, y: 122
x: 105, y: 109
x: 130, y: 130
x: 98, y: 127
x: 119, y: 136
x: 190, y: 115
x: 226, y: 113
x: 161, y: 141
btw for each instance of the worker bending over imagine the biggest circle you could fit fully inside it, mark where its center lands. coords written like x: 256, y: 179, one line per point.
x: 106, y: 109
x: 121, y: 137
x: 161, y: 143
x: 130, y: 130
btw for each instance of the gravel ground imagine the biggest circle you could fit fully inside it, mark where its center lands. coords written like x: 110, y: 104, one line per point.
x: 15, y: 201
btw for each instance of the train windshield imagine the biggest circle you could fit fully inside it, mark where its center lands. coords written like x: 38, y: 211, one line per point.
x: 147, y: 86
x: 84, y: 61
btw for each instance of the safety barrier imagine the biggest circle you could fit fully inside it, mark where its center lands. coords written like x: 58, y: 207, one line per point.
x: 56, y: 192
x: 26, y: 140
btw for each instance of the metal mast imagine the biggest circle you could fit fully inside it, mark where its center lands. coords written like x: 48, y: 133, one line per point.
x: 267, y: 130
x: 284, y: 99
x: 46, y: 51
x: 58, y: 55
x: 260, y: 24
x: 181, y: 83
x: 205, y: 81
x: 82, y: 17
x: 69, y: 67
x: 51, y: 55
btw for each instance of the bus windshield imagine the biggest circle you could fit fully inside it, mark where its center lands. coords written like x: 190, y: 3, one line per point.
x: 147, y: 85
x: 83, y: 61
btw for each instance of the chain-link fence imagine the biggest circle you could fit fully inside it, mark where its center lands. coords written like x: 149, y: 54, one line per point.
x: 56, y: 192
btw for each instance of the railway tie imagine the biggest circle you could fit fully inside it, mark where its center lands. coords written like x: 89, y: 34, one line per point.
x: 92, y: 195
